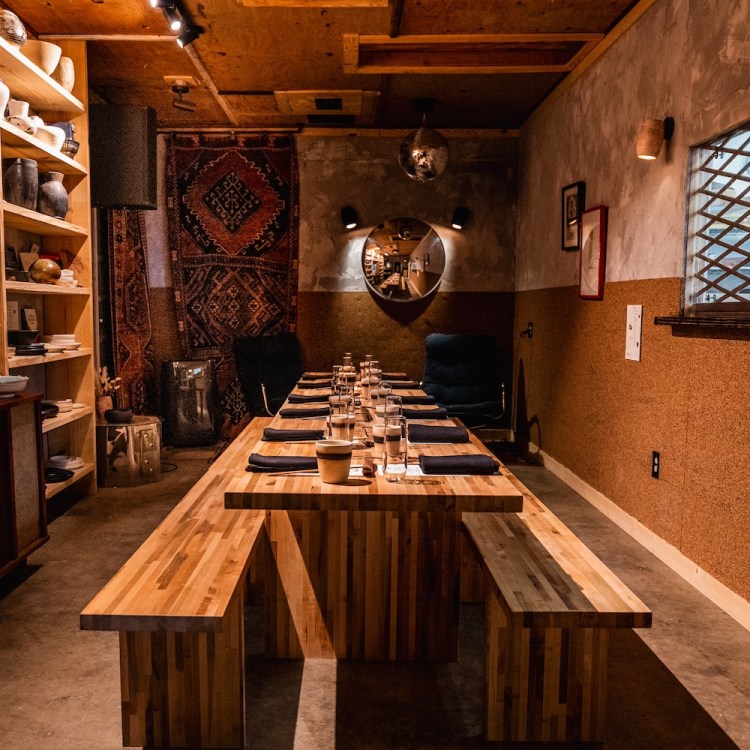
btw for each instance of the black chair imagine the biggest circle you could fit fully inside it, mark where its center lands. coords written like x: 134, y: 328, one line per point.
x: 464, y: 374
x: 268, y: 368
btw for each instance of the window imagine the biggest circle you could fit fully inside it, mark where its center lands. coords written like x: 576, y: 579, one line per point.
x: 717, y: 269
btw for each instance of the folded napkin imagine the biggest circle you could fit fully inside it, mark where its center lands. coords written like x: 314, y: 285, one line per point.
x: 476, y: 463
x: 274, y: 435
x: 258, y: 462
x: 418, y: 400
x: 312, y: 398
x: 299, y: 413
x: 315, y: 376
x: 424, y: 433
x: 394, y: 376
x: 437, y: 413
x: 314, y: 384
x: 402, y: 384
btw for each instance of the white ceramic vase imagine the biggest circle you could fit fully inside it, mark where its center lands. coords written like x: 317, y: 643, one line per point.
x: 4, y: 97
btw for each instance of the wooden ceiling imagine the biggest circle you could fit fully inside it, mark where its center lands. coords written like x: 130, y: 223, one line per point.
x: 336, y: 63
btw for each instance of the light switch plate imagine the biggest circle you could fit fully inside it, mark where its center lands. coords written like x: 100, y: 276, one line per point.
x: 633, y: 333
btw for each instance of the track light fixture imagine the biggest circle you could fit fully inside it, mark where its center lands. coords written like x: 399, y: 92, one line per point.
x: 349, y: 217
x: 188, y: 36
x: 460, y: 217
x: 173, y: 19
x: 161, y: 3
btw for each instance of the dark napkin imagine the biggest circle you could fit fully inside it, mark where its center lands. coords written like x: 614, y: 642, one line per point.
x: 476, y: 463
x: 424, y: 433
x: 393, y: 376
x: 436, y: 413
x: 309, y: 412
x: 311, y: 386
x: 315, y: 376
x: 401, y: 384
x: 274, y: 435
x: 418, y: 400
x: 258, y: 462
x: 305, y: 398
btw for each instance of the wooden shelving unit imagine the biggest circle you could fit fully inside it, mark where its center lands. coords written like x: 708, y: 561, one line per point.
x: 59, y: 309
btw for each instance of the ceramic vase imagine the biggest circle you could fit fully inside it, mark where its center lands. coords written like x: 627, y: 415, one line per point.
x: 65, y: 73
x: 12, y: 29
x: 103, y: 404
x: 53, y: 197
x: 20, y: 182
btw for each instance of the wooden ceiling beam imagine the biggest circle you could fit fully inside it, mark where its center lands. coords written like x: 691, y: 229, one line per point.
x: 315, y: 3
x: 466, y: 53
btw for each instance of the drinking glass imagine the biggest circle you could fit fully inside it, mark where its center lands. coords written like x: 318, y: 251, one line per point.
x: 395, y: 456
x: 340, y: 418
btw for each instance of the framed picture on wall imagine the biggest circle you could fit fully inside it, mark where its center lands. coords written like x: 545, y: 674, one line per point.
x: 573, y: 203
x: 593, y: 233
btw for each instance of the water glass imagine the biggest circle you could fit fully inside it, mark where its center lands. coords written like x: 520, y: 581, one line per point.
x: 395, y: 458
x: 340, y: 418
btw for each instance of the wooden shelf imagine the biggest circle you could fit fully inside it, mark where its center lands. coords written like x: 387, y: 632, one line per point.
x: 30, y: 287
x: 54, y: 489
x: 19, y: 144
x: 30, y: 84
x: 684, y: 321
x: 45, y: 359
x: 70, y: 416
x: 32, y: 221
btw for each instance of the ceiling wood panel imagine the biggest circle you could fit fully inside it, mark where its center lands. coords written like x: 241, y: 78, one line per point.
x: 252, y: 48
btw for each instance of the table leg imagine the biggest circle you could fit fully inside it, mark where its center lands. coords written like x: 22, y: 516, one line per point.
x: 362, y: 585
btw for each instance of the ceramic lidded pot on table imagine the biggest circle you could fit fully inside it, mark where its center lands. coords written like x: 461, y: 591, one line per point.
x: 53, y: 197
x: 20, y: 182
x: 12, y: 29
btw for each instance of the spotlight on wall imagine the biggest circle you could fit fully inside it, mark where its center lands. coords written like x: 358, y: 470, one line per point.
x: 188, y: 36
x: 173, y: 19
x: 651, y: 137
x: 460, y: 217
x: 349, y: 217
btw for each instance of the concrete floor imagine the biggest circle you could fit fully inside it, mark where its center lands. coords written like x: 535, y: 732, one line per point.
x: 683, y: 685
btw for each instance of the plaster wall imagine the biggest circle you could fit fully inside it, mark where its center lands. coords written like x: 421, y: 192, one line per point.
x: 596, y: 413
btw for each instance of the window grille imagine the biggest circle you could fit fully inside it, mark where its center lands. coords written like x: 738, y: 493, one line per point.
x: 717, y: 269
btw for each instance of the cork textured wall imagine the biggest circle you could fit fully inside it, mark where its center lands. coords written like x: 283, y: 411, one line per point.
x: 598, y: 414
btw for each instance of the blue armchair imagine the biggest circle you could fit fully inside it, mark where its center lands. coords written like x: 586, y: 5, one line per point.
x: 464, y: 374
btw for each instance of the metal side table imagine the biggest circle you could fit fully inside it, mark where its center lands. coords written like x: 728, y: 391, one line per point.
x: 128, y: 455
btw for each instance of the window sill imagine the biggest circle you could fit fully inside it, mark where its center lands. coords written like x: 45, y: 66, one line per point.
x: 697, y: 325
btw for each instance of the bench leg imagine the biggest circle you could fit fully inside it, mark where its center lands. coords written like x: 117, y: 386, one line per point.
x: 544, y: 684
x: 185, y: 689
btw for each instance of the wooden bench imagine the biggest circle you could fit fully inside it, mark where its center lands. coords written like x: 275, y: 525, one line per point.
x: 178, y: 606
x: 550, y: 604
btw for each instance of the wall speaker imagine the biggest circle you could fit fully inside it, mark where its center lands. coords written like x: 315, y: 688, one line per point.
x: 123, y: 156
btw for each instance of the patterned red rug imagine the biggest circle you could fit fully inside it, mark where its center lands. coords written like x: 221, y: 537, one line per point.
x: 131, y: 317
x: 232, y: 204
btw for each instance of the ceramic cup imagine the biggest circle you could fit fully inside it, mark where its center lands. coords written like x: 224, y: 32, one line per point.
x: 17, y: 108
x: 334, y: 460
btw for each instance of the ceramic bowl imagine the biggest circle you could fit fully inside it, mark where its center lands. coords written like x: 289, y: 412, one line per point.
x: 70, y: 147
x: 10, y: 384
x: 44, y: 55
x: 22, y: 338
x: 52, y: 136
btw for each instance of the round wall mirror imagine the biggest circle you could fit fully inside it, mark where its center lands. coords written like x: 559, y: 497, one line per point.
x: 403, y: 259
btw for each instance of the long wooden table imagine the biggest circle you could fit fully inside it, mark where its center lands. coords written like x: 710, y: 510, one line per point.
x: 368, y: 569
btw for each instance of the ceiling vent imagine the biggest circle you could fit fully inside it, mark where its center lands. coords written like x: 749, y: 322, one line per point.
x: 331, y: 106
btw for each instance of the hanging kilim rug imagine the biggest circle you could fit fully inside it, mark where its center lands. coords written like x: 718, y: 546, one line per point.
x: 131, y: 318
x: 232, y: 204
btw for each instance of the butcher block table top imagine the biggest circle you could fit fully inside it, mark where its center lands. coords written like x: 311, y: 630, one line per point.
x: 301, y: 491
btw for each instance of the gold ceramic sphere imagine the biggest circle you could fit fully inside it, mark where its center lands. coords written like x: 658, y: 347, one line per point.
x: 44, y: 271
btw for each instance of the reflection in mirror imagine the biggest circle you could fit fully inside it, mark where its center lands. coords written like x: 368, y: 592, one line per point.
x: 403, y: 259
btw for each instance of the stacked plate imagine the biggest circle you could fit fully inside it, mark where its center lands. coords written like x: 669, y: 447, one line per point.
x: 59, y: 342
x: 30, y: 350
x: 69, y: 463
x: 12, y: 384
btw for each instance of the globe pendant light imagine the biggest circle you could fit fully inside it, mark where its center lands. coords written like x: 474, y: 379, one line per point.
x: 424, y: 153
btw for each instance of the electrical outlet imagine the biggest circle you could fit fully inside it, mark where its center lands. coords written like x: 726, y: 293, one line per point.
x: 655, y: 464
